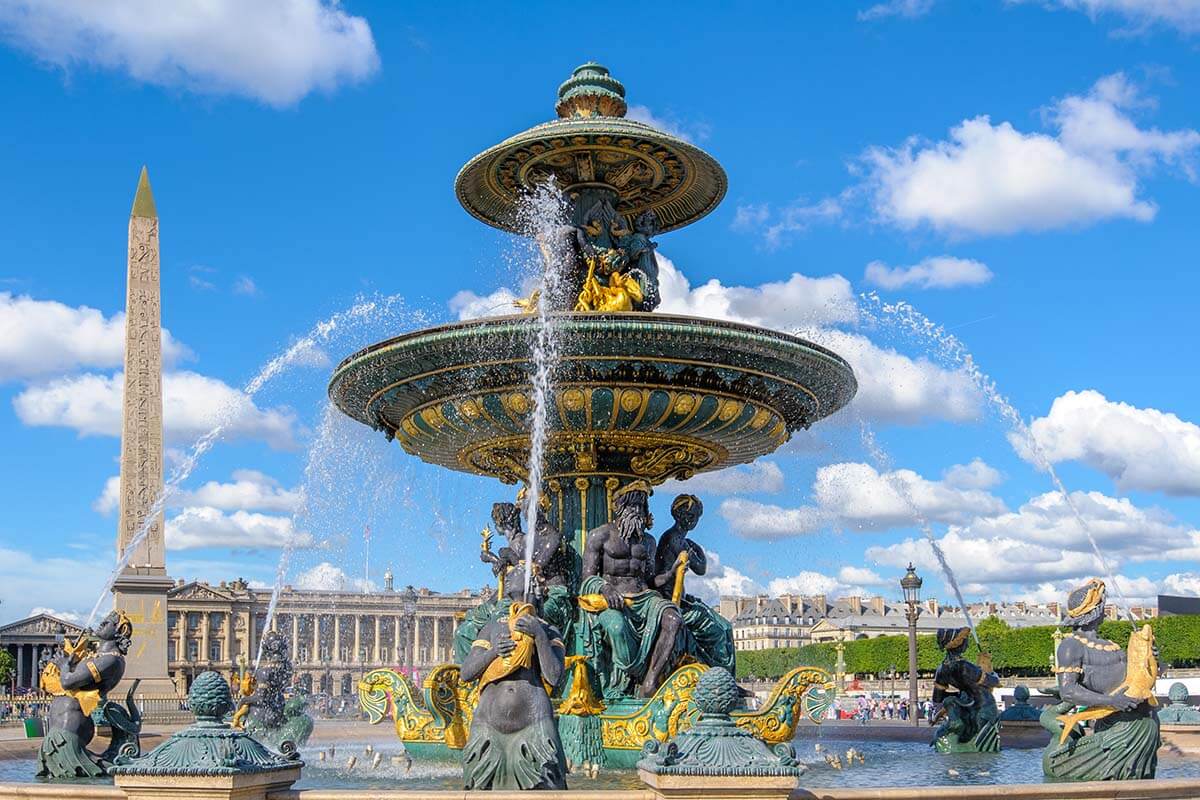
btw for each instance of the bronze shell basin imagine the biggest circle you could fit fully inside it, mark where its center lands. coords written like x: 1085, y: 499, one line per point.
x: 634, y: 395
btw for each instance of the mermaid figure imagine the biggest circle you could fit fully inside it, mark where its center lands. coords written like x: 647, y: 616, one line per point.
x: 80, y: 676
x: 1114, y: 686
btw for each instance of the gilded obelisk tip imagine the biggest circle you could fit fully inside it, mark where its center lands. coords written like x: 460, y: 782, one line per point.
x: 143, y: 201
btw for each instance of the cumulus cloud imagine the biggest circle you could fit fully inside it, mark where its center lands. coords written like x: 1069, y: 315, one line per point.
x: 808, y: 582
x: 39, y: 338
x: 857, y: 497
x: 275, y: 51
x: 468, y: 305
x: 863, y: 576
x: 689, y: 133
x: 995, y: 179
x: 1138, y: 15
x: 203, y: 526
x: 976, y: 475
x: 69, y: 616
x: 893, y: 387
x: 192, y: 405
x: 721, y: 579
x: 761, y: 476
x: 798, y: 302
x: 1186, y: 584
x: 1138, y: 448
x: 250, y: 490
x: 936, y: 272
x: 329, y: 578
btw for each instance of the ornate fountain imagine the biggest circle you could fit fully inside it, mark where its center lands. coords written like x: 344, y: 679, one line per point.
x: 635, y: 398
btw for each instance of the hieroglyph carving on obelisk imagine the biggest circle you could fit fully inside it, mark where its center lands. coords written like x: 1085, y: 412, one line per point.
x: 141, y: 435
x: 141, y: 588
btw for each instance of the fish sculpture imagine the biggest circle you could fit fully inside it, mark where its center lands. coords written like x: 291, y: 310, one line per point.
x: 1141, y: 671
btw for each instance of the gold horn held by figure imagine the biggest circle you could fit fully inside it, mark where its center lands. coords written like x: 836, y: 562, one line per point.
x: 681, y: 567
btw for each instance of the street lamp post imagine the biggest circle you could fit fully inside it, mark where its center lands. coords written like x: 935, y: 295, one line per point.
x: 911, y: 584
x: 408, y: 608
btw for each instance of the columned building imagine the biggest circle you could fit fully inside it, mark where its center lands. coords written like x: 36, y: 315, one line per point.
x: 28, y: 640
x: 334, y: 636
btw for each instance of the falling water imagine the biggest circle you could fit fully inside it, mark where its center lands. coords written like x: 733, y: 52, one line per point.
x: 883, y: 464
x: 956, y: 354
x: 542, y: 214
x: 299, y: 353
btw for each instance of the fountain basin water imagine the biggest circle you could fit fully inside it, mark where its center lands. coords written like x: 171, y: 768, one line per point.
x: 635, y: 395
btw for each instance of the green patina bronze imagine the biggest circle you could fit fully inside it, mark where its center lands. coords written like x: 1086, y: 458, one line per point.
x: 210, y: 746
x: 1114, y: 690
x: 715, y: 744
x: 1020, y: 710
x: 1179, y: 712
x: 635, y: 399
x: 964, y: 689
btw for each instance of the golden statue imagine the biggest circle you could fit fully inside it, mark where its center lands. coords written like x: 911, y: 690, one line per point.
x: 621, y: 293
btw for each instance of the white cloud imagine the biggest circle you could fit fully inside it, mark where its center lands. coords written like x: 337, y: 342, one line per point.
x: 895, y: 388
x: 329, y: 578
x: 69, y: 616
x: 975, y: 475
x: 1184, y: 15
x: 857, y: 497
x: 864, y: 576
x: 468, y: 305
x: 1133, y: 590
x: 1186, y: 584
x: 994, y: 179
x: 798, y: 302
x: 1138, y: 448
x: 249, y: 490
x: 807, y: 582
x: 276, y: 51
x: 936, y: 272
x: 719, y: 580
x: 690, y: 133
x: 761, y: 476
x: 192, y: 405
x: 39, y: 338
x: 203, y: 526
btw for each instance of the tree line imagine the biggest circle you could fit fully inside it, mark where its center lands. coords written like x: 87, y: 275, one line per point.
x: 1019, y: 652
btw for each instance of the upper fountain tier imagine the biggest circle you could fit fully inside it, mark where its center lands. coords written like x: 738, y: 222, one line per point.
x: 592, y: 150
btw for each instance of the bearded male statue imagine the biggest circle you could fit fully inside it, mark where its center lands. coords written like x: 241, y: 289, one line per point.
x: 634, y: 631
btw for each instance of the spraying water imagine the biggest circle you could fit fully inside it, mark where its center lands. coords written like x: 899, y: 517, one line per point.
x: 883, y: 464
x: 956, y: 354
x: 542, y: 213
x: 299, y: 353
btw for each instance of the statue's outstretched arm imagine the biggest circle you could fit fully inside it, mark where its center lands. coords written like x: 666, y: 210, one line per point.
x: 697, y: 560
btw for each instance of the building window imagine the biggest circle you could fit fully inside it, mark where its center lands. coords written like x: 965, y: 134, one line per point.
x: 214, y: 651
x: 193, y: 620
x: 171, y: 655
x: 193, y: 651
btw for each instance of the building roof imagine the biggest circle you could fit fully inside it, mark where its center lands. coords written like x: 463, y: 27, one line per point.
x: 39, y: 625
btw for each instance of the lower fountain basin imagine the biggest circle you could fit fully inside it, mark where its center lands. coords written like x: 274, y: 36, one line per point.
x: 649, y: 396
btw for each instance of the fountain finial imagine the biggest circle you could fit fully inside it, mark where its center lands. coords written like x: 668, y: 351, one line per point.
x: 591, y: 92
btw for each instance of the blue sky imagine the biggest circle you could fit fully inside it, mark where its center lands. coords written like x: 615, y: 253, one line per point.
x: 1023, y: 173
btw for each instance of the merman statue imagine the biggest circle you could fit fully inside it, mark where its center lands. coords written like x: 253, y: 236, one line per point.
x: 711, y: 635
x: 263, y: 711
x: 513, y: 744
x: 632, y: 632
x: 1115, y: 689
x: 80, y: 676
x: 964, y: 691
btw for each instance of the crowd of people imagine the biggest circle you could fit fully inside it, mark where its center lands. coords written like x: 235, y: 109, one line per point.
x: 864, y: 709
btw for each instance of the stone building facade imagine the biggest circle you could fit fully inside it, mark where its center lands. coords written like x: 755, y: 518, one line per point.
x: 335, y: 636
x: 28, y: 640
x: 762, y: 622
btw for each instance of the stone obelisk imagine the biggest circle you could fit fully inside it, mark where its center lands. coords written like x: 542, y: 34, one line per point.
x: 141, y: 588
